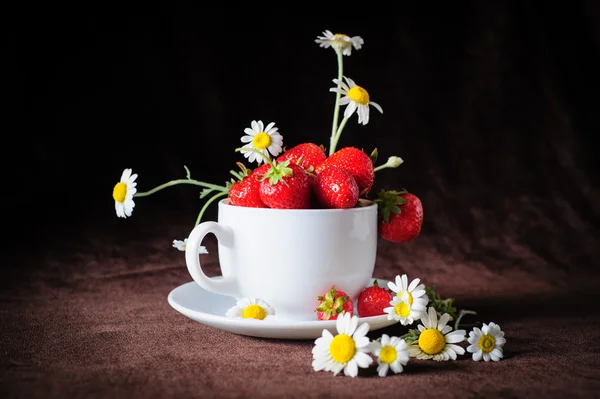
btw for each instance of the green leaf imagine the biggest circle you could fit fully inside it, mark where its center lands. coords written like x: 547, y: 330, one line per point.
x: 278, y: 171
x: 389, y: 202
x: 440, y: 305
x: 411, y: 336
x: 374, y: 155
x: 188, y: 175
x: 205, y: 192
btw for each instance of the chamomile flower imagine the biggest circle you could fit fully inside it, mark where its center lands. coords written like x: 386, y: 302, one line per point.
x: 123, y: 193
x: 436, y: 341
x: 347, y: 351
x: 357, y: 99
x: 401, y: 310
x: 487, y: 343
x: 340, y: 42
x: 251, y: 308
x: 391, y: 353
x: 181, y: 245
x: 264, y: 139
x: 416, y: 292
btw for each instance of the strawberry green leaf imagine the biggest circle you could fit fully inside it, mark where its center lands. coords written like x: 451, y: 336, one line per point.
x: 389, y: 202
x: 374, y: 155
x: 277, y: 172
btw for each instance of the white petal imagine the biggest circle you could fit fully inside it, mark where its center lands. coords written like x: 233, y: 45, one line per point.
x: 246, y: 139
x: 351, y: 369
x: 350, y: 82
x: 472, y: 348
x: 412, y: 285
x: 254, y: 126
x: 344, y: 100
x: 350, y: 109
x: 250, y: 132
x: 382, y: 369
x: 396, y: 367
x: 363, y: 360
x: 485, y: 329
x: 362, y: 330
x: 125, y: 175
x: 486, y: 357
x: 477, y: 355
x: 496, y: 354
x: 269, y: 127
x: 443, y: 321
x: 458, y: 349
x: 377, y: 106
x: 404, y: 279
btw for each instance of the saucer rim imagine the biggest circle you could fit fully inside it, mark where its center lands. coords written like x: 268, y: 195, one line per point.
x: 268, y: 324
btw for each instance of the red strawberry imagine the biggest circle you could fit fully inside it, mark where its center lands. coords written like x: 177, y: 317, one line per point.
x: 285, y: 186
x: 372, y: 300
x: 261, y: 170
x: 311, y: 154
x: 355, y: 161
x: 333, y: 303
x: 401, y: 215
x: 246, y: 193
x: 336, y: 188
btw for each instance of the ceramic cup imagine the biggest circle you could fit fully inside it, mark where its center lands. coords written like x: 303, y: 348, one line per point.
x: 288, y: 257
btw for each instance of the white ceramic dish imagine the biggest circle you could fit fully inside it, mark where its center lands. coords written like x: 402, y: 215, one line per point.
x: 207, y: 308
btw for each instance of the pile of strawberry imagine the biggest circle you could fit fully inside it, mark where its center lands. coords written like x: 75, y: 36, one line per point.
x: 304, y: 177
x: 372, y: 301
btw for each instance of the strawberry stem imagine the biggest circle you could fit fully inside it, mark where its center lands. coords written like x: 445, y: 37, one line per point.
x: 278, y: 170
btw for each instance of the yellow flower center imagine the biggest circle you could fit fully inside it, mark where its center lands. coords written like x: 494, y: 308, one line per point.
x: 487, y: 343
x: 359, y: 95
x: 431, y: 341
x: 402, y: 309
x: 340, y: 40
x: 119, y: 192
x: 410, y: 297
x: 388, y: 354
x: 342, y: 348
x: 261, y: 141
x: 255, y: 312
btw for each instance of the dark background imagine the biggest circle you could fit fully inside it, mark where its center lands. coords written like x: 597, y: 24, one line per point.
x: 492, y: 105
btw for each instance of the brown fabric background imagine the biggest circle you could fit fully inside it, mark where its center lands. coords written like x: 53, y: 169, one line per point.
x: 492, y: 107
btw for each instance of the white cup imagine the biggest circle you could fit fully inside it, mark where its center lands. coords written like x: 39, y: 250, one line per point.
x: 288, y: 257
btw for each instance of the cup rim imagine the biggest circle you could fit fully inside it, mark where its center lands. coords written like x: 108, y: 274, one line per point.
x: 225, y: 203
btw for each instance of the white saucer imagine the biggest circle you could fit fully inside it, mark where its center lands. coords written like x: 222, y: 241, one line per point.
x: 207, y: 308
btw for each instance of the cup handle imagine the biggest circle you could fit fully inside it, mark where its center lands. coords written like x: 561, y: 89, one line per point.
x: 228, y: 284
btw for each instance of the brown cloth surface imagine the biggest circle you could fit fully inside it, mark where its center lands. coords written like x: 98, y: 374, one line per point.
x: 92, y: 320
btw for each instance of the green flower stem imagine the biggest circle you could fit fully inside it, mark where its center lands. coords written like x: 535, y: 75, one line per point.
x: 392, y: 162
x: 236, y: 174
x: 336, y: 110
x: 460, y: 316
x: 206, y: 204
x: 182, y: 181
x: 259, y: 153
x: 337, y: 136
